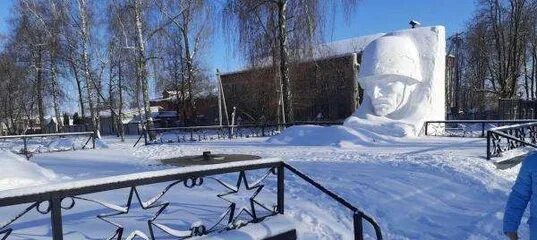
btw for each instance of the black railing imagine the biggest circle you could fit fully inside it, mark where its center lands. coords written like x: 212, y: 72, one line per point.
x: 502, y: 139
x: 466, y: 128
x: 46, y: 140
x: 204, y: 133
x: 54, y: 200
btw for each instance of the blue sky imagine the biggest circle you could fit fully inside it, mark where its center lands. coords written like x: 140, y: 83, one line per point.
x: 374, y: 16
x: 371, y: 16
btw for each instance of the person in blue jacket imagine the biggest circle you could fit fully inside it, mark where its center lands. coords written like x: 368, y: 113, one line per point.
x: 524, y: 191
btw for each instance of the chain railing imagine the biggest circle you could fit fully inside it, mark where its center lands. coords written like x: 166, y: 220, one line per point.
x: 44, y: 141
x: 466, y: 128
x: 57, y: 199
x: 503, y: 139
x: 205, y: 133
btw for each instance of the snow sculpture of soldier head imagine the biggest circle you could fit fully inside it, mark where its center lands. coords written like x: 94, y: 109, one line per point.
x: 402, y: 74
x: 391, y: 74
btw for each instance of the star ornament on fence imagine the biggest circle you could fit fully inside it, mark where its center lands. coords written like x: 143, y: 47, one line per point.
x: 119, y: 210
x: 247, y: 208
x: 5, y: 230
x: 5, y: 233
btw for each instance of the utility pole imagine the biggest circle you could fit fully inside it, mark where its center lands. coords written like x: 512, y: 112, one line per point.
x: 219, y: 98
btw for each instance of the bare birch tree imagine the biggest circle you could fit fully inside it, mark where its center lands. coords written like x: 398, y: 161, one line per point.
x: 270, y: 29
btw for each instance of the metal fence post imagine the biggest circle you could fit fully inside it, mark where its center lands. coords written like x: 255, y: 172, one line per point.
x: 489, y: 135
x: 25, y: 148
x: 281, y: 189
x: 426, y: 125
x: 145, y: 136
x: 93, y: 140
x: 56, y: 218
x: 358, y: 227
x: 483, y: 129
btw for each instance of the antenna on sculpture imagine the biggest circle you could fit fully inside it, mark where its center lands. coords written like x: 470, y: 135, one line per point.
x: 413, y: 23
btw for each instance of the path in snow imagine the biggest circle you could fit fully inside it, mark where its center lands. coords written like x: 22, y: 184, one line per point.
x: 432, y: 188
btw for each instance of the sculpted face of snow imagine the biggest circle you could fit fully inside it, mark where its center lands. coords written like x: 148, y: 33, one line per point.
x: 402, y: 74
x: 389, y: 73
x: 388, y: 94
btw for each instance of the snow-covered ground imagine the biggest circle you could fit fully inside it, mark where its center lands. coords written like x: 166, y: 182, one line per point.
x: 425, y: 188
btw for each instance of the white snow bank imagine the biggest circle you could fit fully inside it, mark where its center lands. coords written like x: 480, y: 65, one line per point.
x: 18, y: 172
x: 313, y: 135
x: 268, y: 228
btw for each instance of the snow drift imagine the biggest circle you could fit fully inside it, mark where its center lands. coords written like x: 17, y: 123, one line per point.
x: 313, y: 135
x: 18, y: 172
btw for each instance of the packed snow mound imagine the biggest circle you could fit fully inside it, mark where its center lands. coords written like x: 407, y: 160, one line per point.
x: 313, y: 135
x: 18, y: 172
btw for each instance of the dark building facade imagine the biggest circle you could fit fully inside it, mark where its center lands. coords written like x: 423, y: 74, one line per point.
x: 171, y: 112
x: 323, y: 89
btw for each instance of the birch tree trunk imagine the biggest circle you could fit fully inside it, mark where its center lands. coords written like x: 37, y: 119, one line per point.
x: 82, y: 8
x: 74, y: 69
x: 39, y: 89
x: 56, y: 95
x: 190, y: 75
x: 120, y: 103
x: 111, y: 102
x: 142, y: 71
x: 284, y: 61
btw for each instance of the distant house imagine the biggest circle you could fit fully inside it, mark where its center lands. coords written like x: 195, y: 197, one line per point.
x: 131, y: 121
x: 52, y: 125
x: 19, y: 126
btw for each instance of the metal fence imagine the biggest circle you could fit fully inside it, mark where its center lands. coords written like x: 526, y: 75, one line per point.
x: 205, y: 133
x: 502, y: 139
x: 55, y: 200
x: 467, y: 128
x: 517, y: 109
x: 43, y: 144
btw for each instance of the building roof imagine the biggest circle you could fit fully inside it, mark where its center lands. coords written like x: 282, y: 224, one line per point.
x: 345, y: 46
x: 330, y: 50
